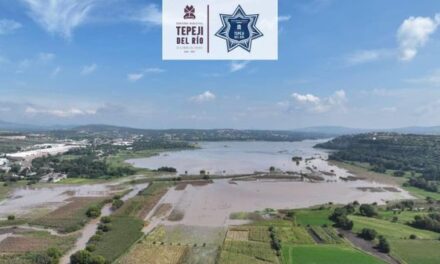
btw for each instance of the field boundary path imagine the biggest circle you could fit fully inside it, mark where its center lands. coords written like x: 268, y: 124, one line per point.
x: 368, y: 247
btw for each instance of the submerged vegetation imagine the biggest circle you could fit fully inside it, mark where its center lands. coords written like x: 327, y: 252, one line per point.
x: 415, y: 157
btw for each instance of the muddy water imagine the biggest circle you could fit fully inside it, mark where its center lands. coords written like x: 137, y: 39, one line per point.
x: 28, y: 199
x: 90, y: 229
x: 230, y: 158
x: 211, y: 205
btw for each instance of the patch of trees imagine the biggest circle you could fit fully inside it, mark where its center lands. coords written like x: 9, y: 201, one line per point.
x: 275, y: 242
x: 418, y: 154
x: 87, y: 166
x: 160, y: 144
x: 368, y: 234
x: 431, y: 186
x: 85, y: 257
x: 167, y: 169
x: 429, y: 222
x: 367, y: 210
x: 51, y: 256
x: 339, y: 216
x: 383, y: 245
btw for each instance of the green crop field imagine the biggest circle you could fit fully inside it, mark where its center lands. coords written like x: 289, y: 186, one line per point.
x: 259, y: 233
x: 294, y: 235
x: 422, y: 194
x: 327, y: 235
x: 417, y: 251
x: 402, y: 217
x: 227, y: 257
x: 314, y: 217
x: 390, y: 230
x: 124, y: 232
x: 260, y: 251
x: 325, y: 254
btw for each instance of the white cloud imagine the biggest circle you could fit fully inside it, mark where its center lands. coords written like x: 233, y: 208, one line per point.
x: 284, y: 18
x: 60, y: 16
x: 432, y: 79
x: 153, y: 70
x: 55, y: 72
x: 134, y: 77
x: 203, y: 97
x: 367, y: 56
x: 414, y: 33
x: 8, y: 26
x: 62, y: 113
x: 237, y: 66
x: 314, y: 104
x: 150, y: 15
x: 89, y: 69
x: 46, y: 57
x: 306, y: 98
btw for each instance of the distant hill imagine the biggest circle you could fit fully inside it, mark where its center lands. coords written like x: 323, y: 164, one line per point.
x: 9, y: 126
x: 19, y: 127
x: 339, y: 130
x: 333, y: 130
x: 199, y: 134
x: 434, y: 130
x: 315, y: 132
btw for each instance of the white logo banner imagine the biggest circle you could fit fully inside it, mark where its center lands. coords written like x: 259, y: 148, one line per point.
x: 220, y: 29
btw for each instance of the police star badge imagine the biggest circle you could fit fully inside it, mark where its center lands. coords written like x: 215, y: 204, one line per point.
x: 239, y: 29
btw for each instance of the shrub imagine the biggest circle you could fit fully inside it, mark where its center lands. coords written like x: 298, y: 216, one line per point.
x: 93, y: 212
x: 91, y: 248
x: 54, y: 253
x: 367, y: 210
x: 368, y: 234
x: 104, y: 227
x: 117, y: 204
x: 85, y: 257
x: 412, y: 236
x: 339, y: 216
x: 95, y: 238
x: 383, y: 245
x: 11, y: 217
x: 106, y: 220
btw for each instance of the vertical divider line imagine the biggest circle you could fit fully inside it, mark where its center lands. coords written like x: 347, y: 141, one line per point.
x: 208, y: 26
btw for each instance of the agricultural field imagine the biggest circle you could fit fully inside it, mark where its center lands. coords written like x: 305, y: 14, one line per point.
x: 25, y: 245
x: 424, y: 249
x: 127, y: 222
x: 140, y: 205
x: 176, y: 244
x: 390, y: 230
x: 313, y: 217
x: 325, y: 254
x: 124, y: 232
x: 417, y: 251
x: 72, y: 216
x: 233, y: 251
x: 155, y: 254
x: 294, y: 235
x: 326, y: 235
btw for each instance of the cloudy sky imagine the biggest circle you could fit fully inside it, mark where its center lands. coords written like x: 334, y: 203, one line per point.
x: 364, y: 63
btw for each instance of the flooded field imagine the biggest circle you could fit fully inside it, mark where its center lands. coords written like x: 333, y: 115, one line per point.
x: 211, y: 205
x: 27, y: 199
x: 230, y: 158
x: 31, y: 200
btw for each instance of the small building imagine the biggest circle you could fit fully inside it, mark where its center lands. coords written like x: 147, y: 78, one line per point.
x: 53, y: 177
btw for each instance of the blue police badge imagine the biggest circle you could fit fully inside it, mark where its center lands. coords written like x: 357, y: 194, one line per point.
x: 239, y: 29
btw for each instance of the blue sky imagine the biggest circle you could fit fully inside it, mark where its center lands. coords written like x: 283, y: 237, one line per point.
x: 365, y: 63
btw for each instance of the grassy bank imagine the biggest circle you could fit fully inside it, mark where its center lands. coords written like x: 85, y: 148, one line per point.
x: 126, y: 224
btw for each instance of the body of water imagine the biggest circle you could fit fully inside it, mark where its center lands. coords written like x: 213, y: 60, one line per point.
x: 230, y: 158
